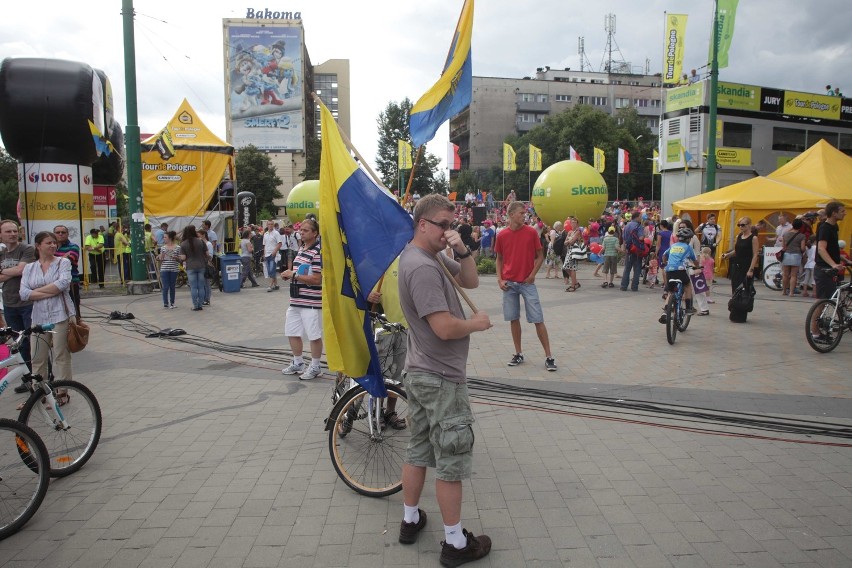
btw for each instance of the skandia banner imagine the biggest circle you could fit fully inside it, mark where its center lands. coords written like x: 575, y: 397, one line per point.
x: 265, y: 87
x: 687, y: 96
x: 674, y: 47
x: 811, y: 105
x: 732, y: 95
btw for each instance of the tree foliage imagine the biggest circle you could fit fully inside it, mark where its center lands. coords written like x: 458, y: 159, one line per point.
x: 255, y: 173
x: 584, y: 128
x: 393, y: 126
x: 8, y: 186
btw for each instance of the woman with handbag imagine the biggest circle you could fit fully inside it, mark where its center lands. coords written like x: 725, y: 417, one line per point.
x: 573, y: 253
x: 45, y: 282
x: 745, y: 254
x: 793, y: 243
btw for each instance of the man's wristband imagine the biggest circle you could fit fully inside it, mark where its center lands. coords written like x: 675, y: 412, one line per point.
x: 465, y: 255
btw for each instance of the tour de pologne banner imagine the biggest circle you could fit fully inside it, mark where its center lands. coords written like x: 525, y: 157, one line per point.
x: 674, y: 47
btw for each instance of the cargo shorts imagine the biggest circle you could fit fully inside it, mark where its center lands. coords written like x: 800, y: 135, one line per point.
x: 440, y: 425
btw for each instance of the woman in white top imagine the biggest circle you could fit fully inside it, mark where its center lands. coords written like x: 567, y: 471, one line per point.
x: 46, y: 282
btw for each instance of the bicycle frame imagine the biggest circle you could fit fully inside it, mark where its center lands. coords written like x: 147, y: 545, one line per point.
x: 16, y: 369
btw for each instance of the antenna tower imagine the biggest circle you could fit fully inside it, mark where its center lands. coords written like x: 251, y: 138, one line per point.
x: 581, y: 50
x: 608, y: 65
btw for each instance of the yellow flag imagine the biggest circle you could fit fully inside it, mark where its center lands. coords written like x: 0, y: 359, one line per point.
x: 535, y: 159
x: 674, y: 47
x: 508, y: 158
x: 600, y: 160
x: 404, y: 158
x: 655, y: 162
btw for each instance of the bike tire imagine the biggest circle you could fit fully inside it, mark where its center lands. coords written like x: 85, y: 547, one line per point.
x: 769, y: 273
x: 684, y: 318
x: 371, y: 466
x: 181, y: 279
x: 24, y: 475
x: 68, y: 449
x: 829, y: 322
x: 671, y: 318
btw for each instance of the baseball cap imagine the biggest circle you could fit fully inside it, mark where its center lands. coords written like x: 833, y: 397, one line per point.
x: 611, y: 230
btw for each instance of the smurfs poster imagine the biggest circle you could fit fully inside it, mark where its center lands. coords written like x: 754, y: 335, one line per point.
x: 265, y: 91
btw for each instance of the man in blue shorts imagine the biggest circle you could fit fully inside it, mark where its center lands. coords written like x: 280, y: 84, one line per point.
x: 519, y: 256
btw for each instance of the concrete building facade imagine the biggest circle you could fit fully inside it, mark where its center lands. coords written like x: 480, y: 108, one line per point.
x: 504, y: 106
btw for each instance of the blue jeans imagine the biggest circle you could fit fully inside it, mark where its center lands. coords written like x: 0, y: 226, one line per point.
x: 634, y: 263
x: 19, y: 319
x: 246, y: 260
x: 197, y: 282
x: 168, y: 278
x: 512, y: 302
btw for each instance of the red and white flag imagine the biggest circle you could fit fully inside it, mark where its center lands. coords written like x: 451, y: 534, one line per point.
x: 623, y: 161
x: 573, y: 155
x: 453, y: 160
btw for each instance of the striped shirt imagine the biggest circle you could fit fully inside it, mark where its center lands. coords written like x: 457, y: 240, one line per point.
x: 307, y: 261
x: 72, y: 252
x: 170, y: 259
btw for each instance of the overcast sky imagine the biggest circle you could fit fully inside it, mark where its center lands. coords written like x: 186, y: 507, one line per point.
x: 397, y: 48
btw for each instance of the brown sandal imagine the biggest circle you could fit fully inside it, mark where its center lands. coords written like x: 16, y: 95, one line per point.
x: 394, y: 421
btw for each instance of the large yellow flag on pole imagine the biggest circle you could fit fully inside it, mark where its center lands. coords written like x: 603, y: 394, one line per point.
x: 508, y: 158
x: 600, y: 160
x: 674, y: 47
x: 404, y: 157
x: 535, y: 159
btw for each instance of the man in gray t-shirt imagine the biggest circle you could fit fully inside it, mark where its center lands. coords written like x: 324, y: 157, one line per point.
x: 17, y: 312
x: 440, y: 417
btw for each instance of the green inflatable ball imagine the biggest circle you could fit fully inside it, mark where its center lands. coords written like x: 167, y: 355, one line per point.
x: 570, y: 188
x: 303, y: 200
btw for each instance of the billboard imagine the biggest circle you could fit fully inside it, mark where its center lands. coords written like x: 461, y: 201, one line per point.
x: 264, y: 85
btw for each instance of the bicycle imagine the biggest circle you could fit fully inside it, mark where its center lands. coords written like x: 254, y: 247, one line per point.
x: 772, y: 276
x: 366, y: 450
x: 830, y: 318
x: 677, y: 318
x: 64, y: 414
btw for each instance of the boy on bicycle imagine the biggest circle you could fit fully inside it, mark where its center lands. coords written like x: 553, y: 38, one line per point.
x: 679, y: 255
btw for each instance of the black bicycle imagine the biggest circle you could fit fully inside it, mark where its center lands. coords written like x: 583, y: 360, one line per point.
x: 828, y: 319
x: 677, y: 316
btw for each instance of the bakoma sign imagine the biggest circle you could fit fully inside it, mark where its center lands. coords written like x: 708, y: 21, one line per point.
x: 267, y: 14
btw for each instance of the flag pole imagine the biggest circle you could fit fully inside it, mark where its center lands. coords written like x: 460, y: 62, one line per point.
x: 413, y: 169
x: 714, y: 84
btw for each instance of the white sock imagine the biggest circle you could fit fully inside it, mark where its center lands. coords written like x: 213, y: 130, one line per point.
x: 315, y: 364
x: 412, y: 514
x: 298, y: 360
x: 453, y: 535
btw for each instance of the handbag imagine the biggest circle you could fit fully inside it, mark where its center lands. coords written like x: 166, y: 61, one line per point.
x: 579, y: 250
x: 779, y: 256
x: 743, y: 298
x: 78, y: 330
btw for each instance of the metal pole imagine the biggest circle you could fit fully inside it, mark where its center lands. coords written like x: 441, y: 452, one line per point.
x: 714, y: 82
x: 134, y: 151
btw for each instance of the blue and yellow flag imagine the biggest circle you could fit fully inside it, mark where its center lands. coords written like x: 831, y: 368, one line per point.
x: 102, y: 145
x: 363, y: 230
x: 452, y: 93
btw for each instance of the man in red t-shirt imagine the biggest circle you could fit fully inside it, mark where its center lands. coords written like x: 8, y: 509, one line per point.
x: 519, y: 256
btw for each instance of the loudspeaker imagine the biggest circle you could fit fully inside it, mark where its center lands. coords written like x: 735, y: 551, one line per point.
x: 478, y: 214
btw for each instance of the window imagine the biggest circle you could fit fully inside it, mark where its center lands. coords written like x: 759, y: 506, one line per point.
x: 615, y: 82
x: 542, y: 98
x: 655, y: 103
x: 563, y: 98
x: 598, y: 101
x: 654, y: 84
x: 640, y: 103
x: 736, y: 135
x: 583, y: 100
x: 529, y: 117
x: 527, y: 97
x: 622, y: 102
x: 653, y: 123
x: 597, y: 81
x: 788, y: 139
x: 815, y: 136
x: 845, y: 144
x: 634, y: 83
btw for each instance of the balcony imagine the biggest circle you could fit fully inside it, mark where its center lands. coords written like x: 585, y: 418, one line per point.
x: 533, y: 106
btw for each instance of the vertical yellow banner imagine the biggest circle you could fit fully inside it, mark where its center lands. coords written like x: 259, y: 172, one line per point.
x: 508, y: 158
x: 655, y: 163
x: 600, y: 160
x: 535, y: 159
x: 674, y: 47
x: 404, y: 158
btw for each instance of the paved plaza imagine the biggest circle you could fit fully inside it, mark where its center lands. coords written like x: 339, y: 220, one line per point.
x: 211, y: 458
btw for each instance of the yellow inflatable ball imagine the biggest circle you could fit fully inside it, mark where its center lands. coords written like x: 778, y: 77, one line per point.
x: 302, y: 200
x: 569, y: 188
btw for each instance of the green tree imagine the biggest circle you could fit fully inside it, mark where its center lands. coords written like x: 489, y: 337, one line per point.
x: 255, y: 173
x: 8, y: 186
x: 313, y: 153
x: 393, y: 126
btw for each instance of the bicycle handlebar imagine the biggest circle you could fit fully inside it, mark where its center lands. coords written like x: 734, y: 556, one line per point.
x: 19, y: 335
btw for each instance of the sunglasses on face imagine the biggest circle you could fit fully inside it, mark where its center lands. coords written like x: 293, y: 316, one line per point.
x: 742, y: 224
x: 443, y: 225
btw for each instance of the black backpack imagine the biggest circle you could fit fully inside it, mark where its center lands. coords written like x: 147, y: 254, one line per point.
x: 559, y: 244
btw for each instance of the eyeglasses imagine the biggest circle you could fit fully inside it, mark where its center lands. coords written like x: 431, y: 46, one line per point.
x: 742, y: 224
x: 443, y: 225
x: 60, y: 232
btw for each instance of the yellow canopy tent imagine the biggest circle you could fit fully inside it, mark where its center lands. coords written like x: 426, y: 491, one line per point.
x: 182, y: 166
x: 822, y: 168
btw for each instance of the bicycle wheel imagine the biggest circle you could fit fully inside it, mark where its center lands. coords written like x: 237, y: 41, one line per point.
x: 181, y: 279
x: 68, y: 448
x: 671, y: 318
x: 772, y: 276
x: 827, y: 318
x: 24, y: 475
x: 371, y: 464
x: 683, y: 318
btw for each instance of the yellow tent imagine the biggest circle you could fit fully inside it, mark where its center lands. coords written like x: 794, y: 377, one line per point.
x: 182, y: 166
x: 822, y: 168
